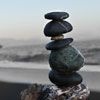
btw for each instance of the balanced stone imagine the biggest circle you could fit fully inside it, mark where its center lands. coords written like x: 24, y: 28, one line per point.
x: 55, y: 28
x: 71, y: 79
x: 58, y: 44
x: 67, y: 59
x: 59, y: 37
x: 57, y: 15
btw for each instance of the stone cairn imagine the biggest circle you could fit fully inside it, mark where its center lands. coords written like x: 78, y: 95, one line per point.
x: 65, y: 60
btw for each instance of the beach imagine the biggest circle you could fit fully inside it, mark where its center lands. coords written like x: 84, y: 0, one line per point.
x: 18, y: 76
x: 12, y: 91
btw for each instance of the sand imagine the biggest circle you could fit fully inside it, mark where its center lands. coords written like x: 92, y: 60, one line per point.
x: 18, y: 75
x: 11, y: 91
x: 15, y: 79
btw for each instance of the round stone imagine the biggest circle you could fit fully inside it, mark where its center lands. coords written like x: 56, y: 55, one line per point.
x: 71, y: 79
x: 58, y: 44
x: 57, y: 15
x: 55, y: 28
x: 67, y: 59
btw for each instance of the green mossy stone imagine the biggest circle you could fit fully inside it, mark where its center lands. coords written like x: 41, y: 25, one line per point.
x: 67, y: 59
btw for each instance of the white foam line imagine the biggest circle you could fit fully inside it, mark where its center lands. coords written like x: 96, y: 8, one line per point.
x: 20, y: 65
x: 6, y: 64
x: 91, y: 68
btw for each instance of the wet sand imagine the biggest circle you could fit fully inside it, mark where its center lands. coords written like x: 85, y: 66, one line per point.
x: 20, y: 75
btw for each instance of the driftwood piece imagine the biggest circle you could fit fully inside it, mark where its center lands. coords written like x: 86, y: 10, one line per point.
x: 51, y: 92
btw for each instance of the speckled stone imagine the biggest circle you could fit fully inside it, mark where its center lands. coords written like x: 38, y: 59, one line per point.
x: 57, y: 15
x: 67, y: 59
x: 54, y: 45
x: 55, y: 28
x: 71, y: 79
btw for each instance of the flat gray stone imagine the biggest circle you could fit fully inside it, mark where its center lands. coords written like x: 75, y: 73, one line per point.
x: 57, y: 15
x: 58, y: 44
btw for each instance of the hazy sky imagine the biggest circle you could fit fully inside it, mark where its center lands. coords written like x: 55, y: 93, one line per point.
x: 24, y: 19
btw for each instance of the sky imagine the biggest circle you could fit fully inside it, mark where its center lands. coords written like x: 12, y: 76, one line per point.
x: 24, y: 19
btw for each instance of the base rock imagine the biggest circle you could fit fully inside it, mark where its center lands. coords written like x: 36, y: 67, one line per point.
x: 52, y: 92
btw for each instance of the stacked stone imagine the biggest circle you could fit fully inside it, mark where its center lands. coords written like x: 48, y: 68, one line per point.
x: 65, y: 60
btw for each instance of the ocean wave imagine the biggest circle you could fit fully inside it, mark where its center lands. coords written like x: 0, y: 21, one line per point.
x: 38, y: 54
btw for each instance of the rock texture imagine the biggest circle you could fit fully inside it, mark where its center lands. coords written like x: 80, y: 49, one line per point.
x: 66, y: 60
x: 51, y: 92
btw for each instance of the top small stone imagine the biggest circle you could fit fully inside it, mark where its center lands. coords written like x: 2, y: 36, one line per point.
x: 57, y: 15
